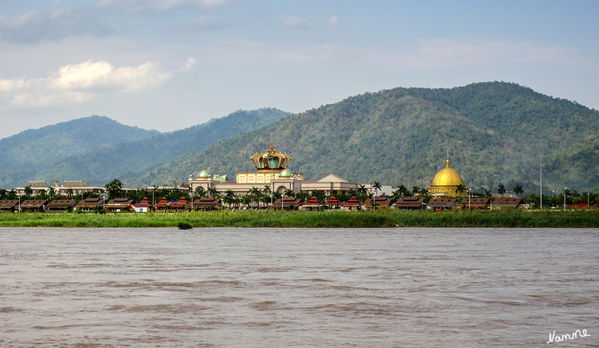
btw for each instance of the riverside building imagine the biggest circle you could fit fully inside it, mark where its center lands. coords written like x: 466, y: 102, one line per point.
x: 272, y: 170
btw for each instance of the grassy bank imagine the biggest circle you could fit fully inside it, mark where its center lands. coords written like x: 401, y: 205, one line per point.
x: 507, y: 218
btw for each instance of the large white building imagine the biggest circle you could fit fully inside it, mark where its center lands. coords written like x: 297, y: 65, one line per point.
x: 272, y: 171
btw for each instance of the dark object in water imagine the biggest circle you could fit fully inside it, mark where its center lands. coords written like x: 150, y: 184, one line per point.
x: 184, y: 226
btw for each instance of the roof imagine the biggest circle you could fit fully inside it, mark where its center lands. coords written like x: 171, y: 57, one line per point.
x: 379, y: 202
x: 89, y: 203
x: 352, y: 202
x: 333, y: 201
x: 119, y: 203
x: 8, y: 203
x: 62, y: 204
x: 475, y: 202
x: 181, y: 203
x: 144, y: 203
x: 513, y: 202
x: 409, y: 202
x: 312, y: 202
x: 331, y: 178
x: 287, y: 202
x: 163, y: 203
x: 33, y: 204
x: 442, y: 203
x: 206, y: 202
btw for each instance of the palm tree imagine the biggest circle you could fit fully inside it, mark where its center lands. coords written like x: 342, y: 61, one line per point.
x: 460, y: 189
x: 403, y: 191
x: 247, y: 199
x: 212, y: 192
x: 415, y: 190
x: 289, y: 193
x: 518, y: 190
x: 256, y: 195
x: 200, y: 192
x: 229, y: 198
x: 501, y: 189
x: 376, y: 186
x: 362, y: 192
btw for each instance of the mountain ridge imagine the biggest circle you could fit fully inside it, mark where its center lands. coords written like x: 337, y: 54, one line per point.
x: 496, y: 133
x: 109, y: 160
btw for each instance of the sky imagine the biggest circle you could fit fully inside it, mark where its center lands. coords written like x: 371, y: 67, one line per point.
x: 171, y: 64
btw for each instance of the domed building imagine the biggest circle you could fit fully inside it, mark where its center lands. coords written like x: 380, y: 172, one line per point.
x: 271, y: 171
x: 446, y: 182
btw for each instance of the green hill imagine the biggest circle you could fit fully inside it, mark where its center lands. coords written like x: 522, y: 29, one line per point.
x: 496, y: 132
x: 26, y: 153
x: 99, y: 166
x: 37, y: 148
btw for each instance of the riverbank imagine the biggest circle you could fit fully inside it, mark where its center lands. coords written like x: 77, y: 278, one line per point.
x: 506, y: 218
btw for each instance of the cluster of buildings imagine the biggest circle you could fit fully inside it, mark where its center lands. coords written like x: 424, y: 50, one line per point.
x: 271, y: 170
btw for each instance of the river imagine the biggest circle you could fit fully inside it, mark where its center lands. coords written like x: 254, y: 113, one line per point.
x: 406, y: 287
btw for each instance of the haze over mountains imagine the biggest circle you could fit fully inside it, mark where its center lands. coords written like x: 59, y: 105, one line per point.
x: 496, y: 133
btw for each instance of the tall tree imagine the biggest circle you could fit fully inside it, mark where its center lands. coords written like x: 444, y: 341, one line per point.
x: 114, y: 189
x: 518, y: 189
x: 376, y: 186
x: 501, y: 189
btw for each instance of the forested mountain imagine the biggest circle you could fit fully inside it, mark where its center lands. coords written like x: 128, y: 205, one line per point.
x: 37, y: 148
x: 24, y: 154
x: 101, y: 163
x: 496, y: 133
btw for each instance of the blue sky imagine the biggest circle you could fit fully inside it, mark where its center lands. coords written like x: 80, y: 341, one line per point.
x: 171, y: 64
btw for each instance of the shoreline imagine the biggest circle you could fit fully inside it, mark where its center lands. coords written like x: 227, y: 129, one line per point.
x: 267, y: 218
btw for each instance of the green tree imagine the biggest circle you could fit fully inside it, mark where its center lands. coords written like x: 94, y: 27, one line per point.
x: 229, y: 198
x: 415, y: 190
x: 212, y: 192
x: 114, y: 189
x: 376, y: 186
x: 289, y: 193
x: 247, y: 200
x: 256, y: 196
x: 460, y: 189
x: 200, y: 192
x: 301, y: 195
x: 403, y: 191
x: 28, y: 191
x: 518, y: 190
x: 501, y: 189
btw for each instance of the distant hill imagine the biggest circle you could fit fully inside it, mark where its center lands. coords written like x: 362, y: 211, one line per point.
x: 23, y: 154
x: 100, y: 165
x: 496, y: 132
x: 37, y: 148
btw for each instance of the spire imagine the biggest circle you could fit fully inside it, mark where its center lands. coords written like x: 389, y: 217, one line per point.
x: 447, y: 164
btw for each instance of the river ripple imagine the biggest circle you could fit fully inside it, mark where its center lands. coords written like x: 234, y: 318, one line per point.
x: 297, y: 287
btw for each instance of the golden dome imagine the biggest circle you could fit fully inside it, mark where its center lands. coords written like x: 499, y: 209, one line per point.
x: 447, y: 177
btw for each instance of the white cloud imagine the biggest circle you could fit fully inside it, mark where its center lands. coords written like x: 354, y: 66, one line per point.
x: 78, y: 83
x: 159, y: 5
x: 189, y: 63
x: 333, y: 19
x: 293, y: 22
x: 52, y: 25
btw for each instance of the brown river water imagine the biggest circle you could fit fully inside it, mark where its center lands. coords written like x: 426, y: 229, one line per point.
x: 297, y: 287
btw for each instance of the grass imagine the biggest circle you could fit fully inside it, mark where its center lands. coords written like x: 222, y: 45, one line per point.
x: 389, y: 218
